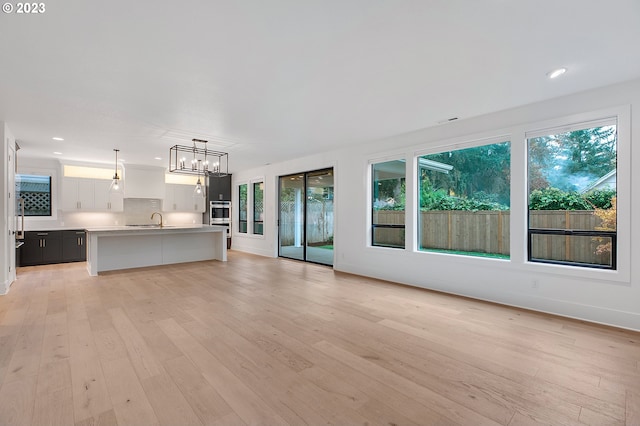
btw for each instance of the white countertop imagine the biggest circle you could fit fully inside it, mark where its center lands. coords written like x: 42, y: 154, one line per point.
x: 155, y: 228
x: 54, y: 228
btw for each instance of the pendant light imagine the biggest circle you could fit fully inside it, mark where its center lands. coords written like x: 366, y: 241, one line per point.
x: 116, y: 186
x: 197, y: 192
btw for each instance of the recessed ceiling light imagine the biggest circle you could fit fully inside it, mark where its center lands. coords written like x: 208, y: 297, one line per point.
x: 57, y: 139
x: 57, y: 153
x: 157, y: 158
x: 556, y: 73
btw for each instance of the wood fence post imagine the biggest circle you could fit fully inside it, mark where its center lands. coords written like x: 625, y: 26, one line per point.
x: 500, y: 231
x: 449, y: 236
x: 567, y: 238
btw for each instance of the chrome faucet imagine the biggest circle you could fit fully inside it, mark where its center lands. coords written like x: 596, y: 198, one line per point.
x: 159, y: 214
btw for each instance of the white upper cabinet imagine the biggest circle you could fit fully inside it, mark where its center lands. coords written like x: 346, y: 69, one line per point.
x: 89, y: 195
x: 105, y: 200
x: 77, y: 194
x: 180, y: 198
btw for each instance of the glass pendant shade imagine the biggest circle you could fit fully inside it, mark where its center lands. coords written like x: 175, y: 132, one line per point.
x: 197, y: 192
x: 116, y: 185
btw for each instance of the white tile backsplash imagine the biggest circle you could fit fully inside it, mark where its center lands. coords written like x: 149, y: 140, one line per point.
x: 137, y: 211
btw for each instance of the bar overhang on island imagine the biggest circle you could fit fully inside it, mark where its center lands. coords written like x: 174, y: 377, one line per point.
x: 124, y: 247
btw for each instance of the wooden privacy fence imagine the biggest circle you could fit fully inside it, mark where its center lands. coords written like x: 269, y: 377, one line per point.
x: 319, y: 222
x: 489, y: 232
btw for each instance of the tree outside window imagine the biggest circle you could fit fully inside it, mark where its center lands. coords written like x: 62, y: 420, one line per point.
x: 242, y: 209
x: 572, y: 196
x: 258, y: 208
x: 388, y: 204
x: 464, y: 200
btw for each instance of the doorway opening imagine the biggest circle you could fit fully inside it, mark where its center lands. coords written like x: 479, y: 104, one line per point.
x: 305, y: 217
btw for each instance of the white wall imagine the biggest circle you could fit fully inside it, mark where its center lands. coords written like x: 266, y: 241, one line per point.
x: 595, y: 295
x: 267, y: 244
x: 7, y: 261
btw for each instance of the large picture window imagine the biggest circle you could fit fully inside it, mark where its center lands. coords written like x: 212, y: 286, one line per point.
x: 35, y: 191
x: 388, y: 204
x: 464, y: 200
x: 242, y: 209
x: 573, y: 194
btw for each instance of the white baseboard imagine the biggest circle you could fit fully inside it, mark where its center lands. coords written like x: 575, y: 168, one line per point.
x: 563, y: 308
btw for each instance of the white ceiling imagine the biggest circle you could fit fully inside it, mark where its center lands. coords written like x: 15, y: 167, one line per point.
x: 269, y: 80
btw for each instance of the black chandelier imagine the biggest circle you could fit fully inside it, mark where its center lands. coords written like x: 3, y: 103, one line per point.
x: 198, y: 160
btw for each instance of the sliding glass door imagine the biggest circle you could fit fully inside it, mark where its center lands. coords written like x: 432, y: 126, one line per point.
x: 306, y: 216
x: 292, y: 216
x: 319, y: 217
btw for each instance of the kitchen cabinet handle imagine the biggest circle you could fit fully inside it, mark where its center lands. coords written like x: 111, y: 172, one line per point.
x: 44, y: 243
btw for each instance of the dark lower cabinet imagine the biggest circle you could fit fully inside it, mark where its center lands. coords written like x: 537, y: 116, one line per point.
x: 41, y: 247
x: 44, y: 247
x: 74, y: 248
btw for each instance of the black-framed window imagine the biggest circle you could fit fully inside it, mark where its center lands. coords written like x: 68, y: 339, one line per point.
x: 258, y: 208
x: 388, y: 196
x: 35, y: 193
x: 572, y: 193
x: 242, y: 210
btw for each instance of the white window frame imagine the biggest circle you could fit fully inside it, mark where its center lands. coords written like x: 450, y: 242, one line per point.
x: 622, y: 115
x: 408, y: 218
x: 250, y: 208
x: 237, y: 227
x: 454, y: 145
x: 56, y: 199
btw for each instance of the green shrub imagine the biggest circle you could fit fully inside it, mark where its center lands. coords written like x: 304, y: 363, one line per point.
x: 556, y: 199
x: 440, y: 200
x: 601, y: 198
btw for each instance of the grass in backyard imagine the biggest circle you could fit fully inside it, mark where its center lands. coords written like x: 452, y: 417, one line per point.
x: 470, y: 253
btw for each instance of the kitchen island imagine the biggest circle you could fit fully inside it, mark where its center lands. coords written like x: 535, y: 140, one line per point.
x: 124, y: 247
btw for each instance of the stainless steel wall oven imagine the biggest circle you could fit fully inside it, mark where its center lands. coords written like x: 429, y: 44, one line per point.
x: 220, y: 214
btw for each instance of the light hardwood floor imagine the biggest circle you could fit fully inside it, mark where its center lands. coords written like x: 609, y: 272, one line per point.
x: 272, y: 341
